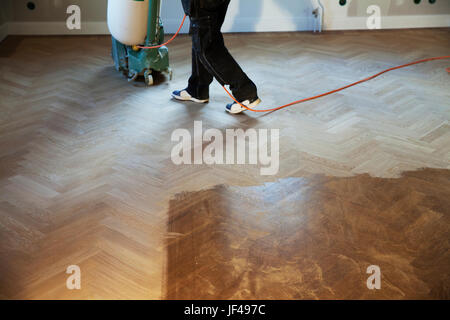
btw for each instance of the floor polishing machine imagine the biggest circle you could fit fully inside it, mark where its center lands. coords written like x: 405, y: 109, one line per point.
x: 138, y: 46
x: 134, y: 24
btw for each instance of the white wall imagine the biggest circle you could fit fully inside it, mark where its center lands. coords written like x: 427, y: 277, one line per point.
x: 244, y: 15
x: 254, y: 15
x: 394, y: 13
x: 49, y: 17
x: 296, y: 15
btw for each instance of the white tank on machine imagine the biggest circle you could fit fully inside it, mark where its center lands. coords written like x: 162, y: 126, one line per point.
x: 127, y: 20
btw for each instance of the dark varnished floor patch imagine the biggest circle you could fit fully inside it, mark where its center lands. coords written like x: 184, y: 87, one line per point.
x: 9, y: 46
x: 312, y: 238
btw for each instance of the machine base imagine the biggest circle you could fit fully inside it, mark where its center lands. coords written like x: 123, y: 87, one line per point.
x: 142, y: 62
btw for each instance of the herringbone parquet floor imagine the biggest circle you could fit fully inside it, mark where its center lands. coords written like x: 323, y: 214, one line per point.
x: 86, y: 175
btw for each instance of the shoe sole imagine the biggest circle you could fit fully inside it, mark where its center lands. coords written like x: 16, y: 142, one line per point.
x: 251, y: 106
x: 189, y: 99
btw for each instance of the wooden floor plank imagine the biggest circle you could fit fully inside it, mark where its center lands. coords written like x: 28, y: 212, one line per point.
x: 86, y: 176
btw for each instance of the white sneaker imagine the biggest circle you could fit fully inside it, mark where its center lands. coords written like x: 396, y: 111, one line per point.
x: 183, y: 95
x: 235, y: 108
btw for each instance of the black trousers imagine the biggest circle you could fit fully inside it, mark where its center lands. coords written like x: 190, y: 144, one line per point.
x: 211, y: 59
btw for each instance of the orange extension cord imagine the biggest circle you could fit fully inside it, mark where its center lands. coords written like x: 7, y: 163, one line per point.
x: 314, y: 97
x: 170, y: 40
x: 340, y: 89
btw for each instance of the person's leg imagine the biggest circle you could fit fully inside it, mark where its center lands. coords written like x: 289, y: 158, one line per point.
x: 210, y: 46
x: 200, y: 79
x: 198, y: 84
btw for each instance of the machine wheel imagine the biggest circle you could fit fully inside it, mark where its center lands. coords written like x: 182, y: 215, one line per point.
x: 132, y: 75
x: 148, y: 76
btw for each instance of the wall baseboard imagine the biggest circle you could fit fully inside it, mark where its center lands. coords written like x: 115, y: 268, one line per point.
x: 238, y: 25
x: 269, y: 25
x: 4, y: 31
x: 389, y: 22
x: 56, y: 28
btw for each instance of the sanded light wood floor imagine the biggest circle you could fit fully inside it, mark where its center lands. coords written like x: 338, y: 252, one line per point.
x: 86, y: 177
